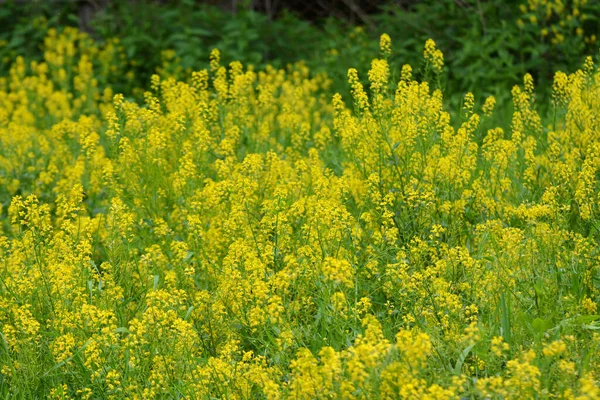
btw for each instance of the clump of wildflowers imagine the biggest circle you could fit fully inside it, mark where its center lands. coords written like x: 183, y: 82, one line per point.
x: 242, y: 234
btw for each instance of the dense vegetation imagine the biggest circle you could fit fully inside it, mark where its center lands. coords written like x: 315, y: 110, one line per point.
x: 489, y: 45
x: 241, y: 232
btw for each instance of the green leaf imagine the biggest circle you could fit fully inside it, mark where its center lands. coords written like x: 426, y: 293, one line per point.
x: 540, y: 325
x: 462, y: 358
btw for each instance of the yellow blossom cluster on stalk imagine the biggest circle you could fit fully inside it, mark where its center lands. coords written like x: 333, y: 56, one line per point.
x: 245, y: 235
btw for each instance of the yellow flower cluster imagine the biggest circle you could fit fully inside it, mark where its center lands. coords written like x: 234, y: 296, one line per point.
x: 433, y: 56
x: 244, y: 235
x: 557, y: 20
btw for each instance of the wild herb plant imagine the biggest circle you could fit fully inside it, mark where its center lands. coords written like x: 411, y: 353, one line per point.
x: 242, y: 234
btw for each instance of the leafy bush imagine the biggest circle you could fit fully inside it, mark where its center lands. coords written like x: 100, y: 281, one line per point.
x: 489, y: 45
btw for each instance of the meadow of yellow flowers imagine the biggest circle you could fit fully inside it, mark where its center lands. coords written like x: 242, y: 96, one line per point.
x: 244, y: 235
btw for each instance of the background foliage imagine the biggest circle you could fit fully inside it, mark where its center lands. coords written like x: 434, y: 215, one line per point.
x: 488, y: 45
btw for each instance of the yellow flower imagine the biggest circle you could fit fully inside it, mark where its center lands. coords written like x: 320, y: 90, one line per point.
x: 433, y: 56
x: 385, y: 45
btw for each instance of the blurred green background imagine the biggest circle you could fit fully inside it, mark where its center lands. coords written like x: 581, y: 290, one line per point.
x: 488, y: 44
